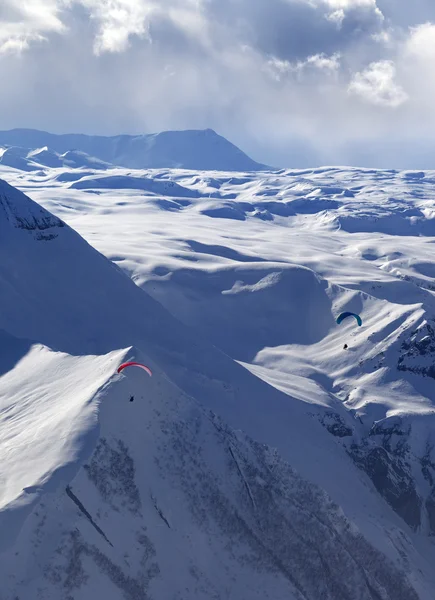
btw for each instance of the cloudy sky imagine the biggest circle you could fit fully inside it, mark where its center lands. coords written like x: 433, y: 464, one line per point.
x: 293, y: 82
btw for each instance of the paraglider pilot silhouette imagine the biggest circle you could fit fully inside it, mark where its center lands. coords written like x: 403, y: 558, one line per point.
x: 345, y: 315
x: 134, y: 364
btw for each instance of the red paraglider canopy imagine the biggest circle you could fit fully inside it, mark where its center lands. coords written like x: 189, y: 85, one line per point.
x: 135, y: 364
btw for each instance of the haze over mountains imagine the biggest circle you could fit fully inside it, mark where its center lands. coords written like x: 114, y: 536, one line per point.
x: 262, y: 459
x: 195, y: 149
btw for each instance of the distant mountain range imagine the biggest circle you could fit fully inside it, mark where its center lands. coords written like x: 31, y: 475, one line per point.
x: 28, y: 149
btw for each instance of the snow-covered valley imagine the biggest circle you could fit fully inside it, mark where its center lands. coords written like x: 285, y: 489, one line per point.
x: 262, y: 459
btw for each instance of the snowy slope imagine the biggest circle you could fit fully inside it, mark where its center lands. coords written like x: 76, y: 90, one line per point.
x: 287, y: 488
x: 17, y: 158
x: 26, y: 159
x: 174, y: 504
x: 191, y: 149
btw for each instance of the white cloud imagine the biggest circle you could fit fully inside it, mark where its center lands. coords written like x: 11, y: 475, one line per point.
x: 337, y: 17
x: 416, y: 57
x: 385, y: 37
x: 28, y: 21
x: 347, y: 4
x: 323, y: 62
x: 15, y: 45
x: 421, y: 42
x: 377, y: 85
x: 338, y: 10
x: 315, y: 64
x: 116, y: 21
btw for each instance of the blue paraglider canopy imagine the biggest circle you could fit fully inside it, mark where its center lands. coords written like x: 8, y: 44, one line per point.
x: 344, y: 315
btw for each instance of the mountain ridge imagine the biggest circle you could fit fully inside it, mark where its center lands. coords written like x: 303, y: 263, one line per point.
x: 186, y: 149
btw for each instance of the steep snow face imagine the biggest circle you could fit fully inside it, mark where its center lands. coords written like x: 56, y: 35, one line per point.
x: 173, y: 503
x: 18, y: 213
x: 54, y: 284
x: 47, y: 423
x: 179, y: 491
x: 286, y: 305
x: 192, y: 149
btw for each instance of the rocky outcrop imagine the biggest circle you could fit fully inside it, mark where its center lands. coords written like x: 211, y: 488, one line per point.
x: 17, y: 211
x: 393, y: 479
x: 335, y: 424
x: 418, y: 353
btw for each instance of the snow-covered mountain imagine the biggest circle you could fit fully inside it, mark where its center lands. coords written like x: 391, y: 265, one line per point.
x: 17, y: 158
x: 191, y: 149
x: 26, y: 159
x: 261, y: 460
